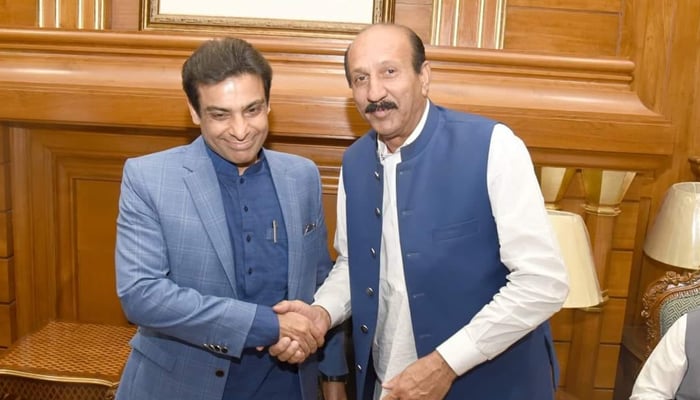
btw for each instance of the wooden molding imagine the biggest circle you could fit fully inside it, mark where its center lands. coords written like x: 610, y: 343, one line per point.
x: 555, y: 103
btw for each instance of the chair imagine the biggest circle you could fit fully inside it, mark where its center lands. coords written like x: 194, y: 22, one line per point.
x: 65, y: 361
x: 667, y: 299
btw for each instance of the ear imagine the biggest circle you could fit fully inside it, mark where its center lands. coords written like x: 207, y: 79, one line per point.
x: 269, y: 108
x: 193, y: 113
x: 425, y: 77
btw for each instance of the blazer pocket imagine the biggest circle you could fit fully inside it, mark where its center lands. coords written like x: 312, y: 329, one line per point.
x: 309, y: 228
x: 151, y: 349
x: 460, y: 229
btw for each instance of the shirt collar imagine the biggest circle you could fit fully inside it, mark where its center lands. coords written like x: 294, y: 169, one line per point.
x: 383, y: 151
x: 227, y: 168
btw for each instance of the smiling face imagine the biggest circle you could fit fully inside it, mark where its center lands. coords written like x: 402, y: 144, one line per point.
x: 387, y: 90
x: 233, y: 118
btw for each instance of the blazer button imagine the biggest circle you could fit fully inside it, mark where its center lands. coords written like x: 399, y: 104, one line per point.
x: 376, y: 175
x: 364, y: 328
x: 219, y: 373
x: 224, y: 350
x: 369, y: 291
x: 378, y: 212
x: 359, y: 368
x: 374, y: 252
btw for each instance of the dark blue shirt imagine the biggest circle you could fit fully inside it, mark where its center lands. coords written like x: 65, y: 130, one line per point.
x: 259, y: 240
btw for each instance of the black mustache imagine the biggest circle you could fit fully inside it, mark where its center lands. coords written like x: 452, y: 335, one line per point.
x: 379, y: 106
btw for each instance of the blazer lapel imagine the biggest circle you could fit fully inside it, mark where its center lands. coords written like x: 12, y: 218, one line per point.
x: 285, y: 186
x: 203, y: 186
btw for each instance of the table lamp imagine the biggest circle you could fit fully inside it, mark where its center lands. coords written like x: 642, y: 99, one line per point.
x: 575, y: 246
x: 674, y: 238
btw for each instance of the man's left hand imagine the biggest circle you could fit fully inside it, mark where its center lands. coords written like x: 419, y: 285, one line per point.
x: 429, y: 378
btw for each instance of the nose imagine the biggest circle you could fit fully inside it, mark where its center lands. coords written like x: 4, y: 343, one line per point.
x: 376, y: 90
x: 238, y: 128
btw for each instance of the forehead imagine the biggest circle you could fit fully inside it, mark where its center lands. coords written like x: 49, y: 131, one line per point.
x: 243, y: 86
x: 379, y: 44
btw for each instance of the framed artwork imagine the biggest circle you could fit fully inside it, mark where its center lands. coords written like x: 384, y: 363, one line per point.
x: 313, y: 18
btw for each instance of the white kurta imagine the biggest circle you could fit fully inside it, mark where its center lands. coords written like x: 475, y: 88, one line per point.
x: 537, y: 282
x: 666, y: 366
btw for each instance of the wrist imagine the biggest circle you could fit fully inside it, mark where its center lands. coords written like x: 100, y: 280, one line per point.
x: 324, y: 316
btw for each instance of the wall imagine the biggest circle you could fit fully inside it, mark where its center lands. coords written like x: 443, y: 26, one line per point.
x: 606, y: 86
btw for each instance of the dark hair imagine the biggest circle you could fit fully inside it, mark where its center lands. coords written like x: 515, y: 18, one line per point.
x: 417, y: 47
x: 218, y: 59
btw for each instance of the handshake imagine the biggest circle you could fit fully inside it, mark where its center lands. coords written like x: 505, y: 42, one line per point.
x: 302, y: 330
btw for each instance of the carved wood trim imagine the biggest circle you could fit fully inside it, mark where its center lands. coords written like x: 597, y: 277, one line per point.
x: 671, y: 285
x: 555, y: 103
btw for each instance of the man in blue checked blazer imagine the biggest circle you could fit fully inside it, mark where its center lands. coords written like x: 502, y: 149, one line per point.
x: 210, y: 236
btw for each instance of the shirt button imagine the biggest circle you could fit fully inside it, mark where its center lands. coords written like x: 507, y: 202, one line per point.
x: 219, y: 373
x: 247, y: 238
x: 242, y: 180
x: 250, y: 271
x: 364, y: 328
x: 245, y: 208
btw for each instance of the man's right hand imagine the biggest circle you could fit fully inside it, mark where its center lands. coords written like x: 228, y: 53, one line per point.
x: 302, y: 332
x: 290, y: 349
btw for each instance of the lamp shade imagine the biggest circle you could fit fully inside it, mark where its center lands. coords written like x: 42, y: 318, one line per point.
x: 674, y: 239
x: 575, y: 246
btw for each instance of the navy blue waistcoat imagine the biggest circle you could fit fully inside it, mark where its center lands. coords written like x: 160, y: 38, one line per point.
x: 450, y: 253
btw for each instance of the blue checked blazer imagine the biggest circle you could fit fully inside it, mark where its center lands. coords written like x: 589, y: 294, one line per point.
x: 175, y: 272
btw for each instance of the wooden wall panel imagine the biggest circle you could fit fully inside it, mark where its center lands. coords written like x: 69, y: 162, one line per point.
x: 562, y: 324
x: 619, y: 273
x: 416, y: 14
x: 7, y: 281
x: 18, y: 13
x: 562, y: 350
x: 5, y: 233
x: 626, y: 226
x: 606, y: 369
x: 471, y: 23
x: 571, y: 5
x: 613, y: 317
x: 124, y: 15
x: 8, y: 328
x: 558, y: 31
x: 72, y: 255
x: 94, y: 205
x: 8, y: 324
x: 73, y: 14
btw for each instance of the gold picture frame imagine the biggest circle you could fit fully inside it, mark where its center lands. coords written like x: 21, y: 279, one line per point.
x: 184, y: 15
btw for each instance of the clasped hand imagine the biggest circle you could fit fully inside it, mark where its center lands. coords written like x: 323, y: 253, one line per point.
x: 302, y: 330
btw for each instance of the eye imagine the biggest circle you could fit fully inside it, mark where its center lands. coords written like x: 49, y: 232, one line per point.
x: 218, y: 116
x: 390, y: 71
x: 359, y: 79
x: 254, y: 110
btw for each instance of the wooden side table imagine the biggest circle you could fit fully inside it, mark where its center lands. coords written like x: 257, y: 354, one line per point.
x: 66, y: 361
